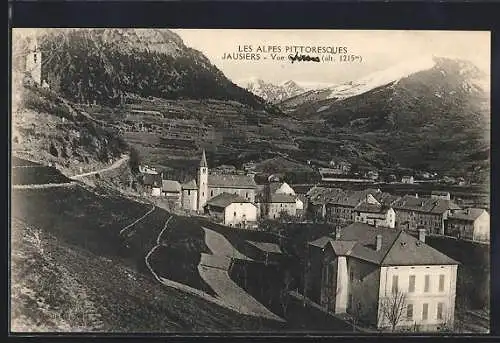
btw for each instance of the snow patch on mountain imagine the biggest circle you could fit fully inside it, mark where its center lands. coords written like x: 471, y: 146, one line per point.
x: 381, y: 78
x: 273, y: 93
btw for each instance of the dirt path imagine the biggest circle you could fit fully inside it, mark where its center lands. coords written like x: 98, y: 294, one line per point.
x: 138, y: 220
x: 219, y: 280
x: 220, y: 246
x: 115, y: 165
x: 44, y: 185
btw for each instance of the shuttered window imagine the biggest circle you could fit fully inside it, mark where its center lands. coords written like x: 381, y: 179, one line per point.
x: 425, y: 311
x: 411, y: 284
x: 441, y: 283
x: 427, y: 283
x: 394, y: 284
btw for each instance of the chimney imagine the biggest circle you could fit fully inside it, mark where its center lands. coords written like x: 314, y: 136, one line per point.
x: 378, y: 243
x: 421, y: 235
x: 337, y: 233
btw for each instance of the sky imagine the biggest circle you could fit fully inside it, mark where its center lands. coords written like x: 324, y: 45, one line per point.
x: 379, y: 50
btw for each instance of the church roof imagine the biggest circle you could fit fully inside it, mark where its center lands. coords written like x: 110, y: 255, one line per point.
x: 171, y: 186
x: 282, y: 198
x: 231, y: 181
x: 203, y: 162
x: 190, y: 185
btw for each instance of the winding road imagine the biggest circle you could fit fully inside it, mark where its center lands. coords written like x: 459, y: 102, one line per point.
x: 115, y: 165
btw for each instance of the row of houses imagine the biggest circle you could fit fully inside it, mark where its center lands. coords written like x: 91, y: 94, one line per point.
x: 231, y: 199
x: 437, y: 214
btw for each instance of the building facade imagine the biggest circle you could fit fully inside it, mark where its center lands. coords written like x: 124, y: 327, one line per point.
x: 366, y: 271
x: 470, y: 223
x: 231, y: 210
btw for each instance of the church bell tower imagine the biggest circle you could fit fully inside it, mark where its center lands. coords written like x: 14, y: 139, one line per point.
x: 202, y: 182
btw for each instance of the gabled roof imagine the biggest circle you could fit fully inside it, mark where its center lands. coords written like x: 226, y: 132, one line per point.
x: 341, y: 248
x: 408, y: 250
x: 190, y: 185
x: 282, y: 198
x: 171, y: 186
x: 427, y: 205
x: 225, y: 199
x: 469, y: 214
x: 153, y: 180
x: 371, y: 208
x: 386, y: 198
x: 398, y: 248
x: 231, y: 181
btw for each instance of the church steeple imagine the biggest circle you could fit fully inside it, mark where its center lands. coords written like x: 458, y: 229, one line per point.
x: 202, y: 182
x: 203, y: 162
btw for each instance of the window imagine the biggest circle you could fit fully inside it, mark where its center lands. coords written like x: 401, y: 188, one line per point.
x: 202, y: 194
x: 409, y: 312
x: 211, y: 193
x: 426, y: 285
x: 246, y: 195
x: 411, y: 286
x: 425, y: 311
x: 440, y: 311
x: 441, y: 283
x: 234, y: 214
x: 189, y: 192
x: 394, y: 284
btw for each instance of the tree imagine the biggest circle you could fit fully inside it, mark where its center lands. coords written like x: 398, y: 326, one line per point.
x: 134, y: 160
x: 393, y: 308
x: 284, y: 294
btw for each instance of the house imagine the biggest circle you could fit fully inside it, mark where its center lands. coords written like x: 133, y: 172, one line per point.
x: 231, y: 210
x: 407, y: 179
x: 372, y: 174
x: 413, y: 211
x: 371, y: 272
x: 279, y: 197
x: 470, y: 223
x: 279, y: 203
x: 375, y: 214
x: 340, y: 167
x: 172, y: 190
x: 189, y: 198
x: 152, y: 184
x: 440, y: 195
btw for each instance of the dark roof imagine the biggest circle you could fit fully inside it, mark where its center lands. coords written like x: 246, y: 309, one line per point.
x: 398, y: 248
x: 171, y: 186
x: 225, y: 199
x: 282, y: 198
x: 440, y: 193
x: 152, y: 180
x: 386, y: 198
x: 469, y: 214
x: 203, y: 162
x: 267, y: 247
x: 370, y: 208
x: 339, y: 247
x: 231, y: 181
x: 190, y: 185
x: 428, y: 205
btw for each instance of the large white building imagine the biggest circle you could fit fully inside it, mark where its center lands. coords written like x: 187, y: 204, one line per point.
x: 371, y: 272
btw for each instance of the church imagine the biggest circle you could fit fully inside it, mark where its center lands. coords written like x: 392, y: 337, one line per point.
x: 197, y: 192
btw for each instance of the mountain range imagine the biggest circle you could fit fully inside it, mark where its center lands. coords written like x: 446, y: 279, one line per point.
x: 106, y: 65
x: 273, y: 93
x: 430, y: 114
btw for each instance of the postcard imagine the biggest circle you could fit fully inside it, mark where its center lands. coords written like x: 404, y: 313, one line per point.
x: 243, y: 180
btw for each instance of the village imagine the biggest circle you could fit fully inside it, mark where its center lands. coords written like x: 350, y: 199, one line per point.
x: 374, y: 254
